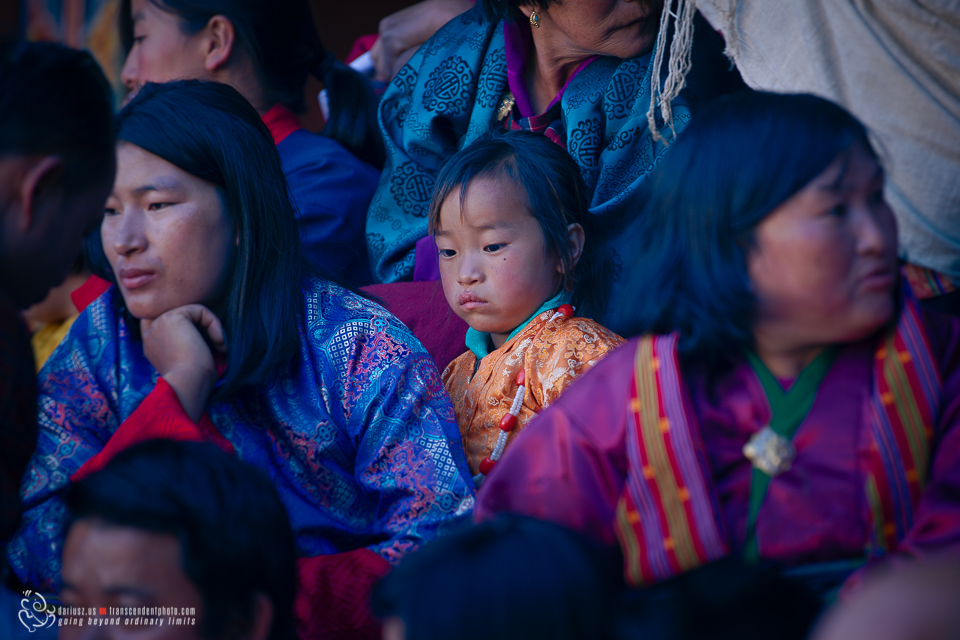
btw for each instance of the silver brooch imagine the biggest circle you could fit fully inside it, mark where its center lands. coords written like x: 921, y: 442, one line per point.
x: 770, y: 452
x: 506, y: 106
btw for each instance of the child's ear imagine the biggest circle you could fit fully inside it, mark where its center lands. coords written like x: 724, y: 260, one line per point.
x: 575, y: 239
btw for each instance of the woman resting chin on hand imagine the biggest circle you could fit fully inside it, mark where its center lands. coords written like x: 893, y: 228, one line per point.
x: 175, y: 346
x: 219, y: 330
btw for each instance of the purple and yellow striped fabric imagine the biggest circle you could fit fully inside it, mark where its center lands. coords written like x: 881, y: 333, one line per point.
x: 906, y: 394
x: 668, y: 519
x: 668, y: 516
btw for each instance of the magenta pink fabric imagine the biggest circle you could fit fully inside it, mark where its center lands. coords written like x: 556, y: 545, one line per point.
x: 569, y: 465
x: 423, y: 308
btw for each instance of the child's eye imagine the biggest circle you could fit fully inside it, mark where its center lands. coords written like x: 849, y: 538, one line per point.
x: 839, y: 211
x: 156, y: 206
x: 493, y: 248
x: 447, y: 253
x: 107, y: 211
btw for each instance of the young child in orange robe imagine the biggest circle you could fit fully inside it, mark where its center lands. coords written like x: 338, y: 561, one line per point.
x: 517, y: 261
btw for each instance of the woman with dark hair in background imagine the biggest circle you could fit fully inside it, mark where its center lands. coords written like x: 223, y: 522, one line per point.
x: 218, y: 330
x: 786, y: 398
x: 266, y: 50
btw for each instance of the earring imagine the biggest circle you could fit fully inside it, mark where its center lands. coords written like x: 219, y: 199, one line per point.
x: 535, y: 19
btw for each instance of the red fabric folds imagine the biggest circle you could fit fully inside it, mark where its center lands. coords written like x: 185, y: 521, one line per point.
x: 281, y: 121
x: 361, y: 45
x: 160, y: 415
x: 89, y: 291
x: 333, y: 599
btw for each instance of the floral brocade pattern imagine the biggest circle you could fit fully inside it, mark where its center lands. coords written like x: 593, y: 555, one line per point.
x: 552, y: 353
x: 358, y: 436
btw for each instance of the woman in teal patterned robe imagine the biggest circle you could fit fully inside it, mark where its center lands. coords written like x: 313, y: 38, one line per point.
x: 483, y: 71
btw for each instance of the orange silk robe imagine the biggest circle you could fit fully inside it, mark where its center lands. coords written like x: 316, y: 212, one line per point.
x: 553, y: 353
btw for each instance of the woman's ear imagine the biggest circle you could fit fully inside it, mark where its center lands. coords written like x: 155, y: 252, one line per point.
x: 575, y: 239
x: 41, y: 185
x: 219, y: 40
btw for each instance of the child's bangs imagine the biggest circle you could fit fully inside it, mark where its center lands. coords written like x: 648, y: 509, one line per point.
x: 455, y: 176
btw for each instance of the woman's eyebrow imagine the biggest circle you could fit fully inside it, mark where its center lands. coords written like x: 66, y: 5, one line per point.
x: 837, y: 182
x: 159, y: 184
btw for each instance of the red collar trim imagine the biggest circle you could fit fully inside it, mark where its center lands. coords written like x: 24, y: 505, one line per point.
x: 89, y: 291
x: 281, y: 122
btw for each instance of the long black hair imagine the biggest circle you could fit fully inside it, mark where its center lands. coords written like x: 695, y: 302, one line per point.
x: 557, y: 198
x: 739, y: 159
x: 283, y: 44
x: 235, y: 537
x: 210, y: 131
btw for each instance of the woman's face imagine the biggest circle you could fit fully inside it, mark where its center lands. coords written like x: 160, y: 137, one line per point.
x: 824, y: 266
x: 161, y: 51
x: 166, y: 234
x: 618, y: 28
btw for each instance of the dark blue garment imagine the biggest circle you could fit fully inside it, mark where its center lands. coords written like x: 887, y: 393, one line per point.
x: 331, y: 190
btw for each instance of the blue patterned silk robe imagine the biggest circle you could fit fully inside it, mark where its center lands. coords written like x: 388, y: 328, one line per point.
x: 358, y: 436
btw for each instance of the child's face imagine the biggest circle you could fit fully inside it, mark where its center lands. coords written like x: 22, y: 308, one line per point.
x: 493, y: 259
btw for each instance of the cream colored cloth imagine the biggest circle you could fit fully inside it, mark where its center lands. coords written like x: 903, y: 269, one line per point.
x: 895, y: 64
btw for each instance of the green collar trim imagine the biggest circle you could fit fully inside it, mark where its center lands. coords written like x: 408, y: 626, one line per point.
x: 788, y: 408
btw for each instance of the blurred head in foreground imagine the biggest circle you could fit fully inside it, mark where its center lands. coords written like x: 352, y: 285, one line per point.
x: 57, y: 163
x: 184, y: 525
x: 920, y: 602
x: 513, y: 577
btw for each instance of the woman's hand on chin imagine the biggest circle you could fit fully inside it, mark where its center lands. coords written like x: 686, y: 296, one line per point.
x: 174, y: 344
